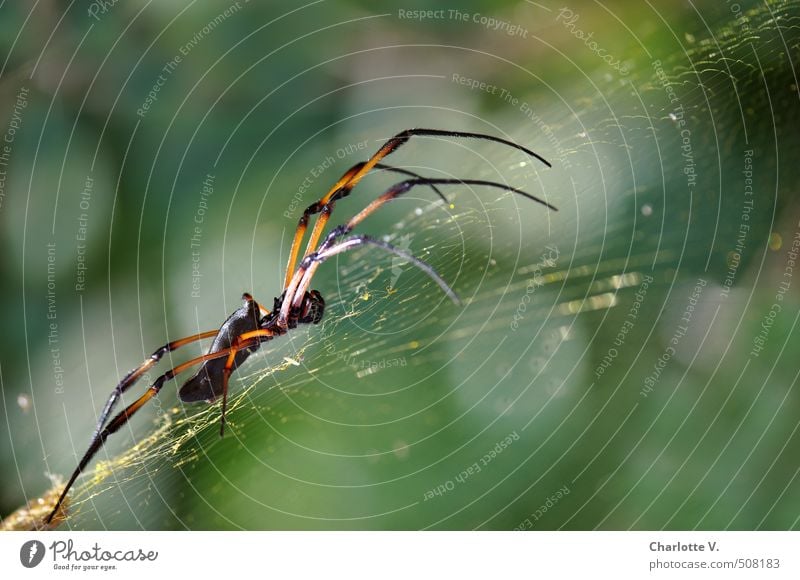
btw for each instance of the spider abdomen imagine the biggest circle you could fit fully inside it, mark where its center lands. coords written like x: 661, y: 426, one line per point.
x: 207, y: 383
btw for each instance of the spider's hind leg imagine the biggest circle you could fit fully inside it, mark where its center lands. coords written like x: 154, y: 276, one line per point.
x: 130, y: 379
x: 125, y: 415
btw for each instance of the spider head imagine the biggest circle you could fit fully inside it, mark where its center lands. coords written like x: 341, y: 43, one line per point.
x: 312, y: 308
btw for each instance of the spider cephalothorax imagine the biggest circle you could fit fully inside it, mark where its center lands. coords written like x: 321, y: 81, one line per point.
x: 309, y: 311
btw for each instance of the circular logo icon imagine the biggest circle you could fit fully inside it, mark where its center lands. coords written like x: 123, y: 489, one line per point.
x: 31, y: 553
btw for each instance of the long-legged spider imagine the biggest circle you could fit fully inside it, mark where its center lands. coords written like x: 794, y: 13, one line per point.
x: 251, y: 324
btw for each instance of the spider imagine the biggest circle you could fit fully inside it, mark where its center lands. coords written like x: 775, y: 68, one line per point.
x: 251, y: 324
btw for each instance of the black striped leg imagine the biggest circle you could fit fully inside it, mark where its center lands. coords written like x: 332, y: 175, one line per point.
x: 350, y: 179
x: 314, y: 260
x: 130, y: 379
x: 299, y: 283
x: 325, y: 207
x: 262, y: 333
x: 124, y: 416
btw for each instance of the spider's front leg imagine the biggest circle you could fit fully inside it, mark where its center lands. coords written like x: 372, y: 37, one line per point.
x: 342, y: 188
x: 352, y: 176
x: 302, y: 278
x: 298, y: 281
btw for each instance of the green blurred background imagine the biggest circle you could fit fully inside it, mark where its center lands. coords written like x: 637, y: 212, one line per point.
x: 628, y: 362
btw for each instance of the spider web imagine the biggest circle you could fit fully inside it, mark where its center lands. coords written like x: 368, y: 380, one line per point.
x: 575, y: 387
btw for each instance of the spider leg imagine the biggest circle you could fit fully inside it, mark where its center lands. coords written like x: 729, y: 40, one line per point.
x: 312, y: 262
x: 352, y: 176
x: 325, y: 207
x: 130, y: 379
x: 299, y: 283
x: 226, y: 373
x: 314, y: 208
x: 401, y: 171
x: 124, y: 416
x: 401, y: 138
x: 404, y: 186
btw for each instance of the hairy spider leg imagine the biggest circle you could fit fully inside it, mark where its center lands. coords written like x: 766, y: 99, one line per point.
x: 226, y: 373
x: 338, y: 191
x: 130, y: 379
x: 124, y: 416
x: 301, y: 279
